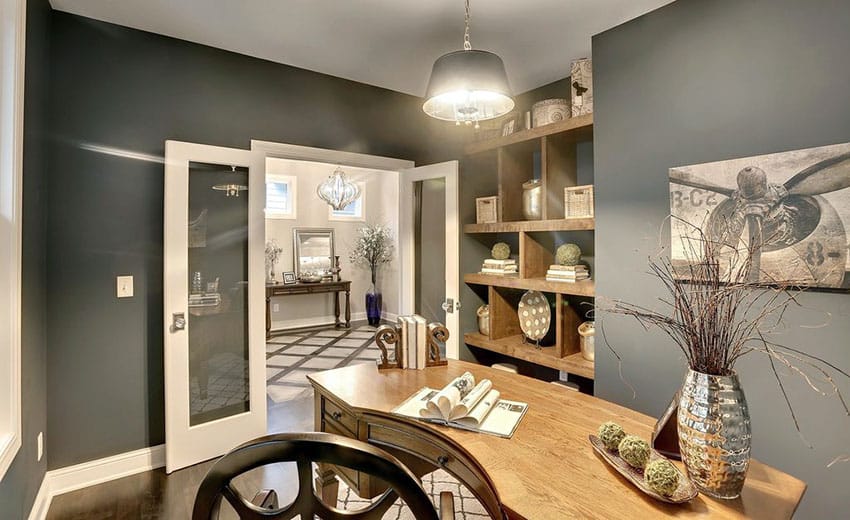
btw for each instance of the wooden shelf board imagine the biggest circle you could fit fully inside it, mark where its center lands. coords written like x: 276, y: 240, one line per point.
x: 514, y: 347
x: 582, y: 126
x: 561, y: 224
x: 581, y: 288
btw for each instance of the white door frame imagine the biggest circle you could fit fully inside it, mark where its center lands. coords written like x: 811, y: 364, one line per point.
x: 186, y: 445
x: 265, y: 149
x: 407, y: 246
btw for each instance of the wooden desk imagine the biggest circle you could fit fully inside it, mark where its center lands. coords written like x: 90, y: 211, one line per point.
x: 547, y: 471
x: 273, y: 290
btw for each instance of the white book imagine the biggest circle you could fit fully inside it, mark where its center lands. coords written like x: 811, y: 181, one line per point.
x: 402, y: 342
x: 421, y: 341
x: 491, y: 261
x: 412, y: 343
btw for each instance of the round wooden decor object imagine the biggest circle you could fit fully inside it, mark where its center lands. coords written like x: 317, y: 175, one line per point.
x: 534, y: 315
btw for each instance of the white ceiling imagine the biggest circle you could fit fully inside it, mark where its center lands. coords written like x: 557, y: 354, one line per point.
x: 387, y: 43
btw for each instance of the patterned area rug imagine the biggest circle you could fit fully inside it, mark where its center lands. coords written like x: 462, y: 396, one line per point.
x: 467, y: 507
x: 290, y: 356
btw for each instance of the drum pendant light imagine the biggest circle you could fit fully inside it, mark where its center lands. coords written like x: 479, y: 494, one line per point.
x: 468, y: 86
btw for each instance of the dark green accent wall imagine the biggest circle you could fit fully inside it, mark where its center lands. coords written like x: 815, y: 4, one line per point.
x: 128, y: 91
x: 699, y: 81
x: 23, y: 478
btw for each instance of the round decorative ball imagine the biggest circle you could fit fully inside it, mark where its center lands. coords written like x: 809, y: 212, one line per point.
x: 568, y: 254
x: 501, y: 251
x: 611, y: 433
x: 661, y: 475
x: 634, y: 450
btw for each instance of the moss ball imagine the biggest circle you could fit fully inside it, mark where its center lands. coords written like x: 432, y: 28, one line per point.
x: 568, y: 254
x: 634, y: 450
x: 501, y: 251
x: 661, y: 475
x: 611, y: 433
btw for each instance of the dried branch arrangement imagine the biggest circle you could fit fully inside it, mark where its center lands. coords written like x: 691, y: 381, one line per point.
x: 716, y: 314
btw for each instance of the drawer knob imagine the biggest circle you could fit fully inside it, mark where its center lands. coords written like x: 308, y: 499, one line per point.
x: 442, y: 460
x: 336, y: 415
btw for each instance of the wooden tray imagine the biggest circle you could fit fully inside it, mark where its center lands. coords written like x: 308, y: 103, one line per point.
x: 685, y: 492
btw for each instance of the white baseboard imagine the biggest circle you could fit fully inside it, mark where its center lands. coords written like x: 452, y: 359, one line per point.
x: 304, y: 323
x: 72, y: 478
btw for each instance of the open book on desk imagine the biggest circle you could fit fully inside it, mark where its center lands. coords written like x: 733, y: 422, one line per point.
x: 466, y: 405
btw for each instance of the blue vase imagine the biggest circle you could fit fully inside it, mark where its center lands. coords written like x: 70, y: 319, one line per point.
x: 373, y: 306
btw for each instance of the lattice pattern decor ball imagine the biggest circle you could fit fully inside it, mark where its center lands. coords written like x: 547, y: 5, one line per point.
x: 661, y: 475
x: 634, y: 450
x: 501, y: 251
x: 568, y: 254
x: 611, y: 433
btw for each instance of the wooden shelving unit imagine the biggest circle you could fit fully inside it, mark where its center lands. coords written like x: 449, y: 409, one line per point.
x: 513, y: 158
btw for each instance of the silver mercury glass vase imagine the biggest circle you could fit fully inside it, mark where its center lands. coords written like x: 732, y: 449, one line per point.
x: 714, y: 433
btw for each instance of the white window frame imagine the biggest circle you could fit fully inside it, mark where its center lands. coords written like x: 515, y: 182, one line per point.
x: 335, y: 216
x: 293, y: 193
x: 12, y: 38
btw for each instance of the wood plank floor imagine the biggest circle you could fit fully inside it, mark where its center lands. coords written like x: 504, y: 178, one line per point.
x: 155, y: 495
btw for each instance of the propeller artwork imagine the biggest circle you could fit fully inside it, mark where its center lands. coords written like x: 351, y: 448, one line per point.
x: 790, y: 209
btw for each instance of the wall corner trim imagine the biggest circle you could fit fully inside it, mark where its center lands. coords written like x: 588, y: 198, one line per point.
x: 71, y: 478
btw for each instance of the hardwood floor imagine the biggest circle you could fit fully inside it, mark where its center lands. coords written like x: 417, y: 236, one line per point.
x: 155, y: 495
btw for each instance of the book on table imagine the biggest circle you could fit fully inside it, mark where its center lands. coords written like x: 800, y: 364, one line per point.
x: 466, y: 405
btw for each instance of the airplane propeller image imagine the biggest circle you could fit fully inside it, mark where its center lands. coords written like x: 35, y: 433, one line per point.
x: 780, y: 216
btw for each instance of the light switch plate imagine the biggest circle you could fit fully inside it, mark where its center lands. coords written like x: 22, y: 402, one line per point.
x: 125, y: 286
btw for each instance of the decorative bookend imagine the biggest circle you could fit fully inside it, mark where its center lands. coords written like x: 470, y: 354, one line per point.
x: 665, y: 437
x: 390, y: 336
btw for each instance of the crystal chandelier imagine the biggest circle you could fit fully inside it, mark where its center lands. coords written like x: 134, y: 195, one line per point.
x: 468, y: 86
x: 338, y: 191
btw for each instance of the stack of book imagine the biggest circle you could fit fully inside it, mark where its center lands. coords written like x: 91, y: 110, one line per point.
x: 492, y: 266
x: 567, y: 273
x: 413, y: 339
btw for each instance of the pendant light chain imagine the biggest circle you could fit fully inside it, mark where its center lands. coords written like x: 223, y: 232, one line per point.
x: 466, y: 45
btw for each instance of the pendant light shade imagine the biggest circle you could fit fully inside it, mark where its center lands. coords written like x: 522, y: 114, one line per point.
x: 468, y: 86
x: 338, y: 191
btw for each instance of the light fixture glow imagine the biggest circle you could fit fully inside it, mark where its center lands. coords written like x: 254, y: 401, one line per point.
x: 338, y: 191
x: 468, y: 86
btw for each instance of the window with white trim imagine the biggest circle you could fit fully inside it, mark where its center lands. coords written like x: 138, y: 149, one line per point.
x: 11, y: 148
x: 355, y: 212
x: 281, y: 194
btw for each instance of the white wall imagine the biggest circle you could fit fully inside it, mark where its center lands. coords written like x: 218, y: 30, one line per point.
x: 381, y: 208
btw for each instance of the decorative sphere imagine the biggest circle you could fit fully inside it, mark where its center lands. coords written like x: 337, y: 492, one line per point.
x: 501, y: 251
x: 568, y: 254
x: 661, y: 475
x: 634, y: 450
x: 611, y: 433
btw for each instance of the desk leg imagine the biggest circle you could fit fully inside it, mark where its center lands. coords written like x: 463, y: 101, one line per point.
x: 348, y: 308
x: 327, y: 485
x: 337, y: 323
x: 268, y: 317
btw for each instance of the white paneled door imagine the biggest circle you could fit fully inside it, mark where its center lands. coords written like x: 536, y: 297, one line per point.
x: 214, y: 307
x: 411, y: 214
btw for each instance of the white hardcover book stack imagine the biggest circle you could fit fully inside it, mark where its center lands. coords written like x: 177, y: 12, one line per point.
x: 421, y: 341
x: 567, y: 273
x: 500, y: 267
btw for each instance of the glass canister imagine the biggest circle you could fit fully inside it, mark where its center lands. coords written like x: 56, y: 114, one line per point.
x: 532, y: 199
x: 587, y: 331
x: 483, y: 313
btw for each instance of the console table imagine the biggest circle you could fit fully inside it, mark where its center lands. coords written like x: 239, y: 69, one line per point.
x: 546, y: 470
x: 273, y: 290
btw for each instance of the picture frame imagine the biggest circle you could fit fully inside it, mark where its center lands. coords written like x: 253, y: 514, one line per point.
x: 289, y: 278
x: 509, y: 126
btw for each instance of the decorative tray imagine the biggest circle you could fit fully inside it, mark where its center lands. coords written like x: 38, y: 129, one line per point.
x: 685, y: 492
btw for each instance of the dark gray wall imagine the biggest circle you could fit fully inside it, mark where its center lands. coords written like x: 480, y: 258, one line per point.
x: 700, y: 81
x: 130, y: 91
x: 430, y: 255
x: 21, y: 482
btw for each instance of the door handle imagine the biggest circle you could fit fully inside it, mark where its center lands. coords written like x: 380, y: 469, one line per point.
x: 448, y: 305
x: 178, y: 321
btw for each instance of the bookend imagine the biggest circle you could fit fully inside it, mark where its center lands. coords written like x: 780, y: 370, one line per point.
x: 665, y: 436
x: 389, y: 335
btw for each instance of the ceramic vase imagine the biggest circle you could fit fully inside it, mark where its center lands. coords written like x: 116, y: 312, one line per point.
x: 714, y: 433
x: 373, y: 306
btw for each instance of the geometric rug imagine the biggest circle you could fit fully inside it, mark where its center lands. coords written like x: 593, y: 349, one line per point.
x: 292, y: 355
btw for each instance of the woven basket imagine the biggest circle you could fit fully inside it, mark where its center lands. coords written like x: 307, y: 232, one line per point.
x: 578, y: 201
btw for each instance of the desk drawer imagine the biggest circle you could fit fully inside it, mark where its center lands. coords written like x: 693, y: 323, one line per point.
x: 337, y: 414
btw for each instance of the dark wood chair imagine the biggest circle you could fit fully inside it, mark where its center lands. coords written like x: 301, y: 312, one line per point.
x: 304, y: 449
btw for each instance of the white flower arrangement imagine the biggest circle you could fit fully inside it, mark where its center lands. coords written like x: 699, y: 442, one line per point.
x: 374, y: 247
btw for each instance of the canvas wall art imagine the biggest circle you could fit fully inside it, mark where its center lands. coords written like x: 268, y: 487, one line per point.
x: 792, y: 209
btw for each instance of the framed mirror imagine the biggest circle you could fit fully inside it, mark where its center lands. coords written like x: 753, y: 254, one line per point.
x: 313, y: 249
